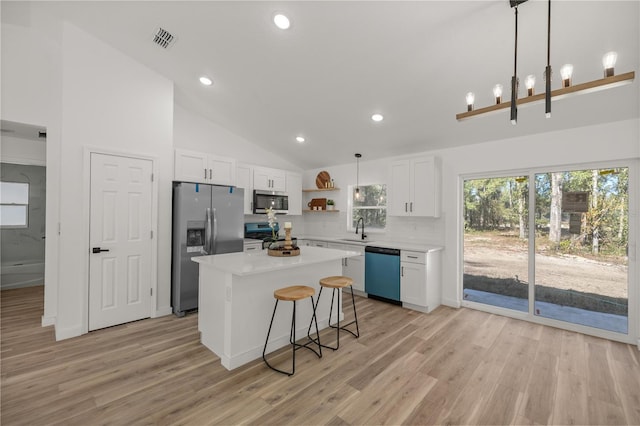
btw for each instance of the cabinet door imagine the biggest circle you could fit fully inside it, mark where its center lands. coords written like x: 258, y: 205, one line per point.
x: 244, y: 180
x: 279, y: 181
x: 190, y: 166
x: 355, y: 269
x: 261, y: 179
x: 294, y: 191
x: 222, y: 171
x: 413, y: 283
x: 399, y: 190
x: 425, y: 191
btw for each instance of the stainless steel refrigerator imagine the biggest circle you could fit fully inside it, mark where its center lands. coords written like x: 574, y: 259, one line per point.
x: 207, y: 219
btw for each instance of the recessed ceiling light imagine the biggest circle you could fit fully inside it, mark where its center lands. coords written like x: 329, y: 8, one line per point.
x: 206, y: 81
x: 300, y: 139
x: 281, y: 21
x: 377, y: 117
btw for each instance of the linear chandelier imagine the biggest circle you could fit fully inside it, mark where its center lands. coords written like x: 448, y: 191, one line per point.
x: 609, y: 80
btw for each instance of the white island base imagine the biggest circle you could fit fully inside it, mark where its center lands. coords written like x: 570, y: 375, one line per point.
x: 235, y: 300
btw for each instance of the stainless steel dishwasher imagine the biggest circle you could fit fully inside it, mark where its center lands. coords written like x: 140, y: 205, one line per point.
x: 382, y: 274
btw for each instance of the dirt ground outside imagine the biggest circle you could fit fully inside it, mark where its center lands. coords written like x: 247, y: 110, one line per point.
x: 497, y: 262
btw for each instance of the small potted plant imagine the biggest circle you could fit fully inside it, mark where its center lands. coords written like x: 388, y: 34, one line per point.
x: 331, y: 204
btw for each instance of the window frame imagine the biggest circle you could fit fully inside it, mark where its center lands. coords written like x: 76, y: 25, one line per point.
x: 350, y: 207
x: 25, y: 205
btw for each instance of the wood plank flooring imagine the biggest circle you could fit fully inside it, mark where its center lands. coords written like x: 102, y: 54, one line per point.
x: 453, y: 366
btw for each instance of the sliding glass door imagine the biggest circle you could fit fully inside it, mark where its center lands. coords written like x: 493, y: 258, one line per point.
x: 496, y: 242
x: 566, y: 262
x: 582, y: 236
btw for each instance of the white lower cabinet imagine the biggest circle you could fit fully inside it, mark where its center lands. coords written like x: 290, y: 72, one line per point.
x: 353, y: 267
x: 420, y: 280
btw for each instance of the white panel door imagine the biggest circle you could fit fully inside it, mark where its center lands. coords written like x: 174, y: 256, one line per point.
x: 120, y: 238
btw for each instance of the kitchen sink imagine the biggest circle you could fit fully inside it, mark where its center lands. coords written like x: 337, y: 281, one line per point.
x: 354, y: 240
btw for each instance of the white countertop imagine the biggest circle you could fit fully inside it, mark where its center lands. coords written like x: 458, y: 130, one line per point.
x: 250, y: 263
x: 401, y: 245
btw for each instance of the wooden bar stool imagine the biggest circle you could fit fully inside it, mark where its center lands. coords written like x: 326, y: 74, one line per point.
x: 336, y: 283
x: 293, y: 294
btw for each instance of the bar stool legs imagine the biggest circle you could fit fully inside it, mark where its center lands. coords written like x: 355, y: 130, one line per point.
x: 337, y: 283
x: 292, y: 337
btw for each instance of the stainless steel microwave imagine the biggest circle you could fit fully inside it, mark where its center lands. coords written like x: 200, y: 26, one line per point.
x: 278, y: 201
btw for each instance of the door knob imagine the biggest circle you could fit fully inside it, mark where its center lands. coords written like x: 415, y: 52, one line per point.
x: 98, y: 249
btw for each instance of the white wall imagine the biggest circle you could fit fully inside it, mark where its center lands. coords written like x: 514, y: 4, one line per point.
x: 110, y: 102
x: 23, y: 151
x: 193, y: 131
x: 31, y: 93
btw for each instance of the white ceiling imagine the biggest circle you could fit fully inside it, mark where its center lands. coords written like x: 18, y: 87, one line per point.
x: 343, y: 60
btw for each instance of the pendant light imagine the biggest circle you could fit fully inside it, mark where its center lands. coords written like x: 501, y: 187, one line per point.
x: 567, y: 88
x: 358, y: 156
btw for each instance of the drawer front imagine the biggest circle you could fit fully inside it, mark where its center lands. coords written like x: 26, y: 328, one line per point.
x: 413, y: 257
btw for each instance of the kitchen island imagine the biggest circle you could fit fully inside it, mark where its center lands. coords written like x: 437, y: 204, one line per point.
x: 235, y: 299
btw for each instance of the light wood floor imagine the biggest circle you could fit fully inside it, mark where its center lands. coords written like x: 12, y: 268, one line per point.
x: 451, y: 366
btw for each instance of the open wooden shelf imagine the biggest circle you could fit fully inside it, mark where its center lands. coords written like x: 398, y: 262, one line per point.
x: 320, y: 211
x: 320, y: 189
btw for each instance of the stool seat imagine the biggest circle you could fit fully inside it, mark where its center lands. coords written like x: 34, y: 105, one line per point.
x: 336, y: 282
x: 294, y: 292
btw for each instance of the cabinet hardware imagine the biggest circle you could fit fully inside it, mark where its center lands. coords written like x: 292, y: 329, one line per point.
x: 402, y: 271
x: 205, y: 173
x: 412, y: 257
x: 411, y: 206
x: 405, y: 207
x: 210, y: 174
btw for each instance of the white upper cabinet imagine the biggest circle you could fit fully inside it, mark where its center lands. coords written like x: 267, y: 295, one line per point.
x: 414, y: 188
x: 192, y: 166
x: 294, y: 191
x: 269, y: 179
x: 244, y: 180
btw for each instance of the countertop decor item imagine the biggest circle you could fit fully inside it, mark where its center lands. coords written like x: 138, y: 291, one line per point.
x: 323, y: 179
x: 288, y: 249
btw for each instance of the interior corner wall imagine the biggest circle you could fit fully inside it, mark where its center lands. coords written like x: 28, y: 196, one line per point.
x: 110, y: 102
x: 31, y: 93
x: 194, y: 132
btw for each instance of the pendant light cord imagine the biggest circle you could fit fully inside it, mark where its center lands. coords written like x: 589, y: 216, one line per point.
x: 514, y: 79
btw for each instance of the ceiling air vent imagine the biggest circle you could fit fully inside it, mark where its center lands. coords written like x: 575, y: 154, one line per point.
x: 163, y: 38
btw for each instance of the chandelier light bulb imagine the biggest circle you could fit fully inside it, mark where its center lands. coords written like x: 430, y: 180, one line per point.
x: 565, y: 72
x: 471, y: 97
x: 609, y: 62
x: 497, y: 93
x: 530, y: 83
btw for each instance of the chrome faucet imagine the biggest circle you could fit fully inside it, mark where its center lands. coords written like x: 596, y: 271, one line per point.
x: 360, y: 219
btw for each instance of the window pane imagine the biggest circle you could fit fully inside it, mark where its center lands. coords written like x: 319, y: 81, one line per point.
x: 14, y: 193
x: 13, y: 215
x: 370, y: 205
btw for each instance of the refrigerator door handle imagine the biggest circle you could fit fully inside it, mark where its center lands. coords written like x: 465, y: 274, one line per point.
x: 215, y: 232
x: 207, y: 233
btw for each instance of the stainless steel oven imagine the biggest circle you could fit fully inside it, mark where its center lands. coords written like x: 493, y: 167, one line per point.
x: 278, y: 201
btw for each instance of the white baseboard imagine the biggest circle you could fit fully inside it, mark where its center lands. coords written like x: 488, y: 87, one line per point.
x: 163, y: 312
x: 68, y: 333
x: 47, y: 321
x: 451, y: 303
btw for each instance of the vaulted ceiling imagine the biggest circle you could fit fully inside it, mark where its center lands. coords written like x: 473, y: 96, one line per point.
x: 341, y: 61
